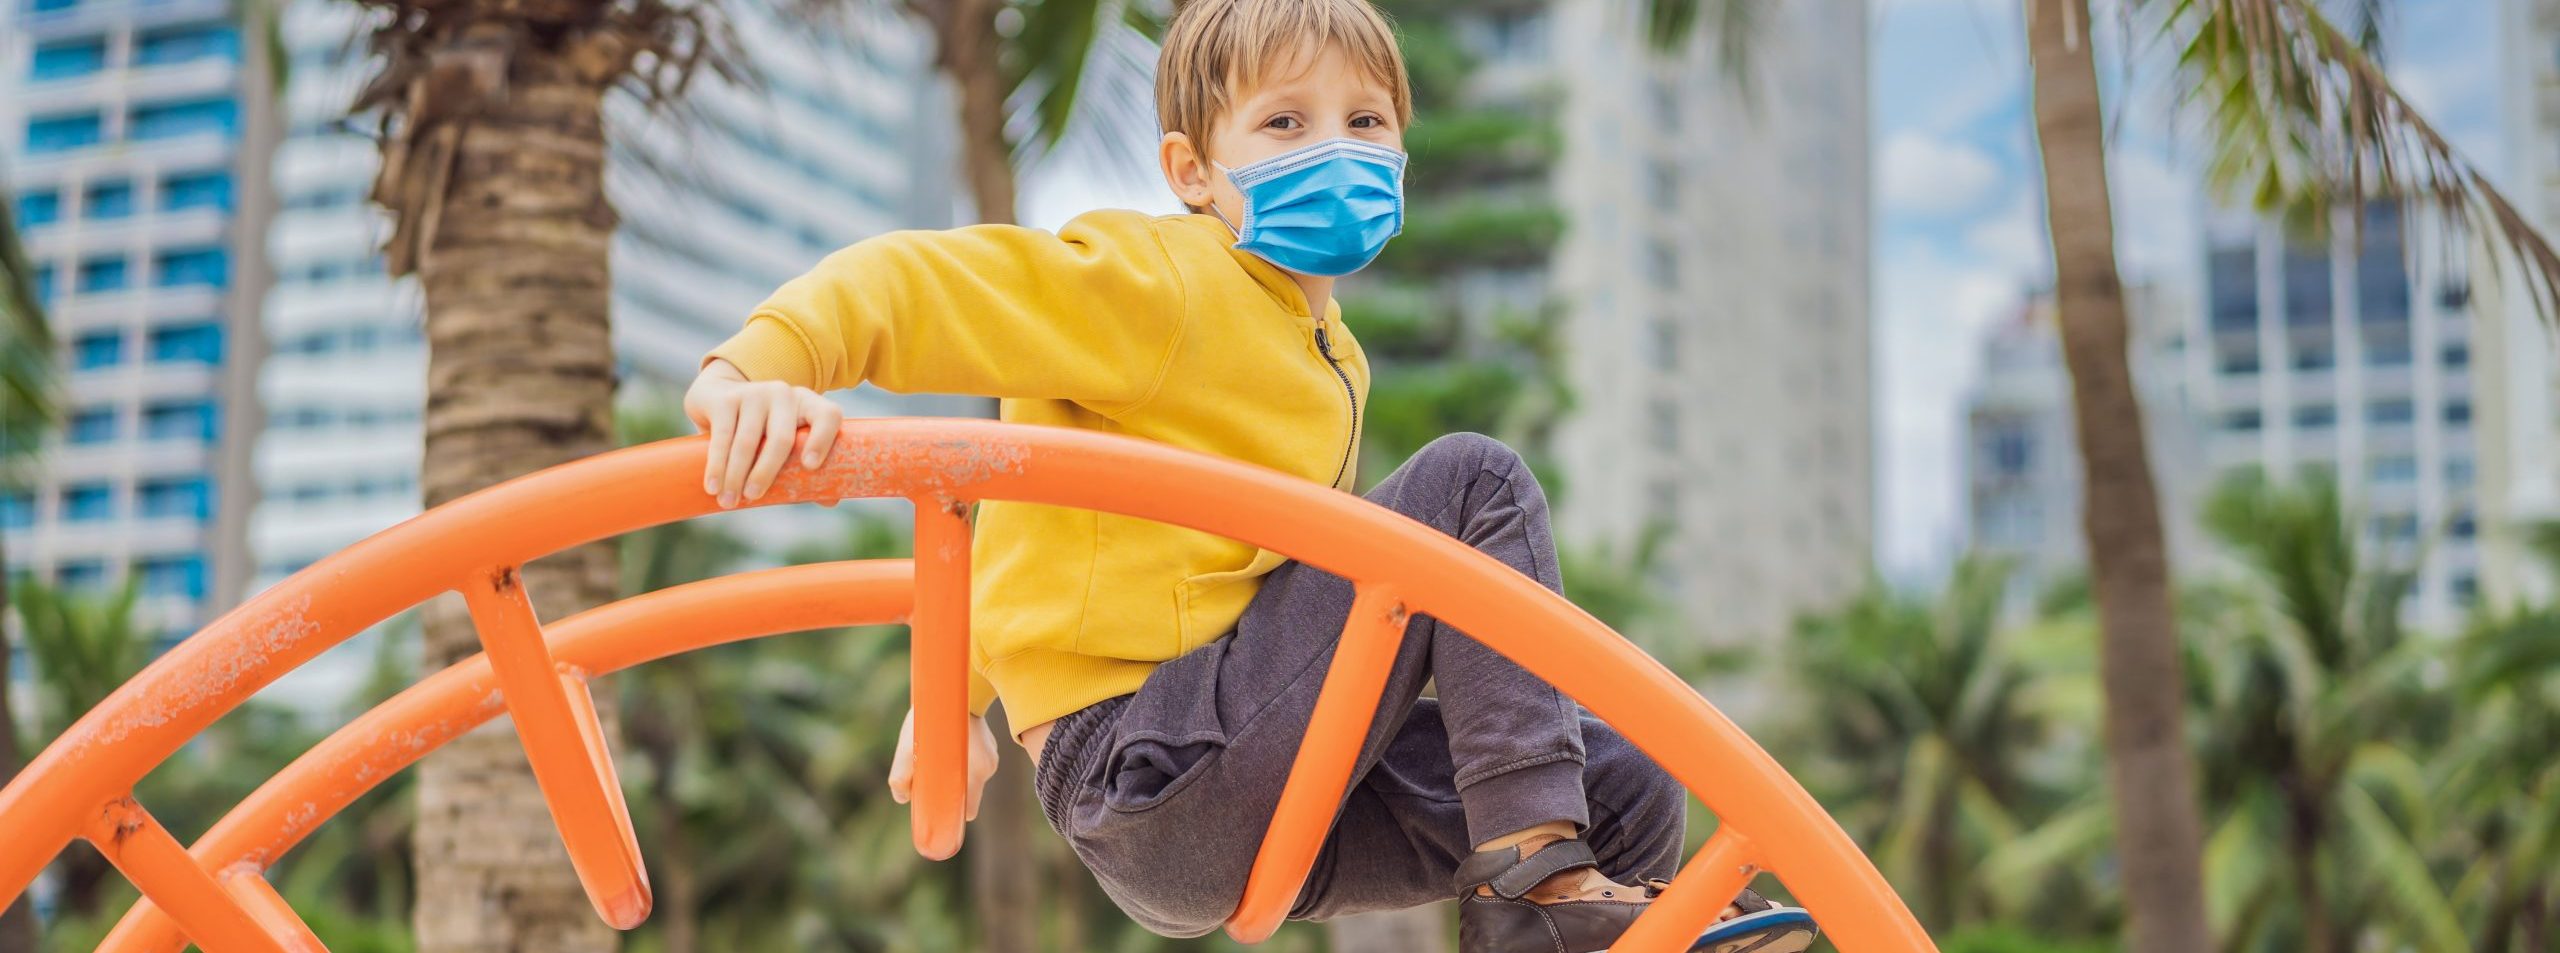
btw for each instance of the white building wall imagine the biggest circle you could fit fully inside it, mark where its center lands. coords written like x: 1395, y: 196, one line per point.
x: 1716, y: 278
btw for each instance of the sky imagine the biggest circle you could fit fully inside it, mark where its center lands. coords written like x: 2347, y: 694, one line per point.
x: 1959, y: 237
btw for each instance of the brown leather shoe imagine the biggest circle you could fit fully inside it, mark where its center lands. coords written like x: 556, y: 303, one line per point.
x: 1502, y: 910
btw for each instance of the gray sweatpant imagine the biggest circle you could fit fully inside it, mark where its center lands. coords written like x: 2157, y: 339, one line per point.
x: 1164, y: 794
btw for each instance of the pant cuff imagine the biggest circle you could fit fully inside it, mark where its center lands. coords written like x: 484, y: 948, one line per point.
x: 1513, y: 801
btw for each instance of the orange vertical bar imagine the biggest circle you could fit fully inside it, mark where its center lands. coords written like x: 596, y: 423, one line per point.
x: 145, y: 853
x: 576, y: 779
x: 249, y: 888
x: 938, y: 667
x: 1701, y: 891
x: 1322, y: 770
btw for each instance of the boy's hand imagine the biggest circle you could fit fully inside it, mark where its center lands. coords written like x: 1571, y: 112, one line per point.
x: 982, y: 761
x: 751, y: 426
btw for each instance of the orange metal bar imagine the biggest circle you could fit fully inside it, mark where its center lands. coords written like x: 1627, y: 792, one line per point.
x: 252, y: 892
x: 577, y: 779
x: 938, y: 667
x: 1701, y: 891
x: 384, y: 741
x: 1322, y: 770
x: 190, y: 686
x: 145, y: 853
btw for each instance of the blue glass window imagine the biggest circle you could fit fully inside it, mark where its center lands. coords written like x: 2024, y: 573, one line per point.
x: 97, y: 349
x: 2243, y: 421
x: 179, y: 420
x: 68, y: 58
x: 39, y: 208
x: 194, y: 117
x: 17, y: 509
x: 191, y: 343
x: 2314, y: 359
x: 2458, y: 472
x: 196, y: 190
x: 2394, y: 469
x: 103, y: 274
x: 84, y: 575
x: 63, y: 133
x: 2315, y: 416
x: 88, y: 503
x: 2466, y: 588
x: 2396, y: 526
x: 2457, y: 412
x: 108, y: 200
x: 200, y: 266
x: 44, y: 282
x: 49, y: 6
x: 2465, y: 525
x: 91, y: 426
x: 187, y: 498
x: 162, y: 47
x: 174, y: 576
x: 2393, y: 411
x: 2457, y: 354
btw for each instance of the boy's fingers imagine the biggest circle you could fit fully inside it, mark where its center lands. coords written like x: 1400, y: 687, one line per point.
x: 742, y: 448
x: 824, y: 419
x: 779, y: 428
x: 724, y: 419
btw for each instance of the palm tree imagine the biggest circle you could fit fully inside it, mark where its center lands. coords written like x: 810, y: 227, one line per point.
x: 2497, y: 782
x: 2299, y: 116
x: 2312, y: 697
x: 83, y: 647
x: 26, y: 413
x: 1926, y: 734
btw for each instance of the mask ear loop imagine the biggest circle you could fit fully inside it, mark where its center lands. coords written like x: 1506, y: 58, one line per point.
x: 1222, y: 216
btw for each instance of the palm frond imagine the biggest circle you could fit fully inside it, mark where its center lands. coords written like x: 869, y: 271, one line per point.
x: 2304, y: 119
x: 1734, y: 26
x: 26, y: 348
x: 2421, y: 913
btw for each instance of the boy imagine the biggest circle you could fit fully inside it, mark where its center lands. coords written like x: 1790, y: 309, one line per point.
x: 1163, y: 676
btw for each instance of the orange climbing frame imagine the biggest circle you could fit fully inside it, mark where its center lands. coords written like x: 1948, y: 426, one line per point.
x: 216, y: 897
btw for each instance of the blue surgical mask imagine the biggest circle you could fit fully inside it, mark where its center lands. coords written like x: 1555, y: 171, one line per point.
x: 1327, y: 209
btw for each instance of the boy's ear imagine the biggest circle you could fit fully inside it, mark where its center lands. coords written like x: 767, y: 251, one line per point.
x: 1185, y: 169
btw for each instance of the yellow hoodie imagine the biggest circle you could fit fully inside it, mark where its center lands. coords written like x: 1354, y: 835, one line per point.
x: 1122, y: 323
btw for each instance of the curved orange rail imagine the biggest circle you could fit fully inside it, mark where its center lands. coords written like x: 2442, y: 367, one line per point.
x: 80, y: 786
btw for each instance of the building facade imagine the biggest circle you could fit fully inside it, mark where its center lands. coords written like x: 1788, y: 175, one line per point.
x: 721, y: 201
x: 2521, y: 472
x: 136, y: 135
x: 2022, y: 466
x: 1715, y: 277
x: 2354, y: 354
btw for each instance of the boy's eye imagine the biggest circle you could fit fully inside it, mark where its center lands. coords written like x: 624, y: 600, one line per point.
x: 1282, y: 123
x: 1367, y: 122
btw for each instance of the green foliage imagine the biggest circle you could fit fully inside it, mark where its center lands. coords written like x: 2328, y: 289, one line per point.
x: 1473, y: 233
x: 1473, y: 148
x: 1417, y: 405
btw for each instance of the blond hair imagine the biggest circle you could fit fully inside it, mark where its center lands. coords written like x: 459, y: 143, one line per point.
x: 1215, y: 47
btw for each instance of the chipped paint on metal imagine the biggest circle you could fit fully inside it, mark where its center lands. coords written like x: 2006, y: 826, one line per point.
x: 891, y: 466
x: 240, y: 652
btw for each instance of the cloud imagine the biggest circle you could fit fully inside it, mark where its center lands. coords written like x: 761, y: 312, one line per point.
x: 1934, y: 177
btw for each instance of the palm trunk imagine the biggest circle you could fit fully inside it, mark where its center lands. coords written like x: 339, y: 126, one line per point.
x: 2302, y: 854
x: 513, y: 234
x: 1414, y: 930
x: 2151, y: 774
x: 18, y: 922
x: 1003, y: 879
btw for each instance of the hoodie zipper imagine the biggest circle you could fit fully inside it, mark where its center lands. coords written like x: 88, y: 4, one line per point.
x: 1324, y: 346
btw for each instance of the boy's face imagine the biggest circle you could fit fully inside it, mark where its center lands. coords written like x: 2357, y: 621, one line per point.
x: 1327, y: 96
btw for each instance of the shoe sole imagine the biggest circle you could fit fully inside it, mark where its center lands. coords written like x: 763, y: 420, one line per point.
x: 1782, y: 930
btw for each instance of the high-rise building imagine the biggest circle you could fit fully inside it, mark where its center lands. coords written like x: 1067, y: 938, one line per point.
x: 1715, y: 280
x: 2022, y: 466
x: 721, y: 202
x: 2520, y: 472
x: 136, y: 138
x: 2353, y: 354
